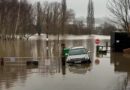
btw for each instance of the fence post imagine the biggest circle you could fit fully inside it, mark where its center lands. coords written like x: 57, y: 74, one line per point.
x: 2, y: 61
x: 62, y: 53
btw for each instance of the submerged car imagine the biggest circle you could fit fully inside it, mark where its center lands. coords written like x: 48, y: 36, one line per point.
x: 78, y: 55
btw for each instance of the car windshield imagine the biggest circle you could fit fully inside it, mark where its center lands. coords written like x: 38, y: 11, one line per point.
x: 78, y: 51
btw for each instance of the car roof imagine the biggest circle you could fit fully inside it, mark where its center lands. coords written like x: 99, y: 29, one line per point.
x: 80, y: 47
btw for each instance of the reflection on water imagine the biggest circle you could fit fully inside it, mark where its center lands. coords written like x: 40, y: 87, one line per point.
x: 79, y: 68
x: 10, y: 75
x: 106, y: 72
x: 121, y: 63
x: 38, y: 48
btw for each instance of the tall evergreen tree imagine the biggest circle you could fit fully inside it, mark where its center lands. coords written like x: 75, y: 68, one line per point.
x: 90, y: 17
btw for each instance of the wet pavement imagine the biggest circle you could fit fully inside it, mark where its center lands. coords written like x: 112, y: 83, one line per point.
x: 110, y: 71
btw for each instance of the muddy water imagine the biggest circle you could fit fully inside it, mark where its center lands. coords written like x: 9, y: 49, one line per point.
x: 106, y: 72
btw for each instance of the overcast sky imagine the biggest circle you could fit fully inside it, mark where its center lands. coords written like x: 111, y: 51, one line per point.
x: 80, y: 7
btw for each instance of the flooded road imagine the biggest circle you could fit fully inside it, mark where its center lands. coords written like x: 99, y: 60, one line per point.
x: 106, y: 72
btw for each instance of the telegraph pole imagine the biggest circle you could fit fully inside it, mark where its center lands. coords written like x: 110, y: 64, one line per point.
x: 63, y: 23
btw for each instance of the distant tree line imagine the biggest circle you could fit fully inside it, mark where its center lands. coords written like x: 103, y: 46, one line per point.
x: 18, y: 18
x: 105, y: 29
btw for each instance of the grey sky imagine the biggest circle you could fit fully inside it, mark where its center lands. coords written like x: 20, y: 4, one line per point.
x: 80, y: 7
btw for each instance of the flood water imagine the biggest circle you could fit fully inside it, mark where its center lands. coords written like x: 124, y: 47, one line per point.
x: 106, y: 72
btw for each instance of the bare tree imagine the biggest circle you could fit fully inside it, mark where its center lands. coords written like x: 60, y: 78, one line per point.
x: 56, y: 16
x: 26, y: 20
x: 8, y: 17
x: 54, y: 20
x: 39, y: 18
x: 15, y: 18
x: 47, y: 17
x: 21, y: 18
x: 18, y: 17
x: 120, y: 9
x: 90, y: 17
x: 53, y: 17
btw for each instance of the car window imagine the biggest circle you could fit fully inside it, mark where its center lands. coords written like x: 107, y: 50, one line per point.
x: 77, y: 51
